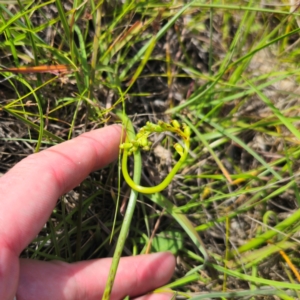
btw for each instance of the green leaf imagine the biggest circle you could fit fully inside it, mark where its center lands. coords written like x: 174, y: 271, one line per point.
x: 171, y: 240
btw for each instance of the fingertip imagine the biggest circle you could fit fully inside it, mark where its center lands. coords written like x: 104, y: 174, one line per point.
x: 145, y: 273
x: 165, y: 260
x: 157, y: 270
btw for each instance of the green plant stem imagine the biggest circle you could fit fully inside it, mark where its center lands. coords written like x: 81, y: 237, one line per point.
x: 129, y: 211
x: 164, y: 183
x: 141, y: 141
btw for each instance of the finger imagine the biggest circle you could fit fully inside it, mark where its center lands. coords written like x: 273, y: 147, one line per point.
x: 29, y: 191
x: 86, y: 280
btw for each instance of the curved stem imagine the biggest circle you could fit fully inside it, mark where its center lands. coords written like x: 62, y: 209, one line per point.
x: 164, y: 183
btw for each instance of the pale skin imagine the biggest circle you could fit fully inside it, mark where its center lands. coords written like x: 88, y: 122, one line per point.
x: 28, y: 194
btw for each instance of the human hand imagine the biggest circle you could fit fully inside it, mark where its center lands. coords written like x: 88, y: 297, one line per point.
x: 29, y: 192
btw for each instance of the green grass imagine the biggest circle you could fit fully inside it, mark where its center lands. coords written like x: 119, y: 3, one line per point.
x: 230, y: 72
